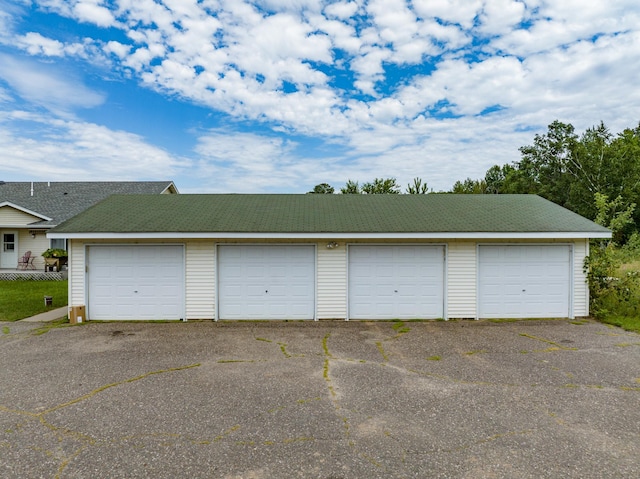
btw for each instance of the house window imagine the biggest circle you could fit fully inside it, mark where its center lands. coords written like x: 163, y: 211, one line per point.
x: 9, y: 242
x: 59, y: 244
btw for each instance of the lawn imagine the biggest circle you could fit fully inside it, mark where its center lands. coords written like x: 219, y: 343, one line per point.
x: 21, y: 299
x: 621, y: 305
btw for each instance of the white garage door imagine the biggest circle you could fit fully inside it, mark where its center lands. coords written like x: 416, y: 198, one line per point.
x: 523, y: 281
x: 266, y: 281
x: 396, y: 282
x: 135, y: 282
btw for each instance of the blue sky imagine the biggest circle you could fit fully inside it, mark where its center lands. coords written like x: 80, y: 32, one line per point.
x: 279, y: 95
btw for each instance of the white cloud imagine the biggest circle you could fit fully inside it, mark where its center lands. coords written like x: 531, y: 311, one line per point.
x: 559, y: 24
x: 36, y: 44
x: 341, y: 10
x: 461, y: 12
x: 342, y: 35
x: 92, y: 11
x: 291, y: 5
x: 88, y: 11
x: 117, y: 48
x: 82, y: 151
x: 245, y: 162
x: 244, y: 150
x: 5, y: 96
x: 294, y: 66
x: 46, y: 86
x: 501, y: 16
x: 8, y: 14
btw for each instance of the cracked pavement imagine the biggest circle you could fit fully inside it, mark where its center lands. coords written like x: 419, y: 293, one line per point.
x: 330, y: 400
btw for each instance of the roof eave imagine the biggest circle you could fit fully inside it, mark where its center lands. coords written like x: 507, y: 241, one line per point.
x: 333, y: 236
x: 25, y: 210
x: 171, y: 188
x: 26, y: 227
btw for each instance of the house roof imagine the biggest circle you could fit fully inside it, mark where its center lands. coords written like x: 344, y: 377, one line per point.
x: 55, y: 202
x: 432, y: 215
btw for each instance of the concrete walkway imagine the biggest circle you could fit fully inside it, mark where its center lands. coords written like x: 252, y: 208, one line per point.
x: 52, y: 315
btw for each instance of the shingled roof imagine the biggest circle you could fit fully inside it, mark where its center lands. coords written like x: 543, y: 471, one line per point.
x: 211, y: 215
x: 62, y: 200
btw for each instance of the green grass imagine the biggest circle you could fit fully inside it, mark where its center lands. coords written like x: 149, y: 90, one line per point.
x: 21, y: 299
x: 630, y: 323
x: 622, y: 307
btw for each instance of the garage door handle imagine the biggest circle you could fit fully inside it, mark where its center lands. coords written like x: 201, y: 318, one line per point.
x: 395, y: 290
x: 266, y: 291
x: 135, y: 291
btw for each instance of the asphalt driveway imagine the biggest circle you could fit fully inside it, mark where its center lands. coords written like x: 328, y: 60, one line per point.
x: 320, y: 400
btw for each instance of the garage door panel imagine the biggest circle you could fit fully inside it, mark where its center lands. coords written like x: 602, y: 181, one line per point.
x: 281, y: 291
x: 135, y: 282
x: 255, y: 272
x: 518, y: 281
x: 396, y: 281
x: 266, y: 281
x: 253, y: 291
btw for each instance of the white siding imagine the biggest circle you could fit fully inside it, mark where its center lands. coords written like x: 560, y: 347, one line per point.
x: 332, y: 282
x: 580, y: 286
x: 77, y: 276
x: 36, y: 245
x: 461, y: 280
x: 200, y: 280
x: 13, y: 217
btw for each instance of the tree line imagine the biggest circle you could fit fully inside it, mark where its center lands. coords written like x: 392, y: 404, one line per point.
x: 376, y: 187
x: 595, y: 173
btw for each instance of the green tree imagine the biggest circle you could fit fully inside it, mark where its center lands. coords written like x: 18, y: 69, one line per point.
x: 614, y: 214
x: 606, y: 287
x: 376, y: 187
x: 418, y: 187
x: 470, y: 187
x: 322, y: 189
x: 569, y: 169
x: 502, y: 179
x: 381, y: 186
x: 351, y: 188
x: 545, y: 164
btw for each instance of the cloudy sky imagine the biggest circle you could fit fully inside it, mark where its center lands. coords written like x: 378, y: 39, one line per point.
x: 280, y: 95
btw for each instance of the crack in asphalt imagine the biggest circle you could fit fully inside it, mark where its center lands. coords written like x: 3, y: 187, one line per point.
x: 342, y: 413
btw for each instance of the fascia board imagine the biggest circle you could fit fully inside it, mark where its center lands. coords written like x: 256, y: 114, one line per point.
x: 169, y: 187
x: 333, y: 236
x: 25, y: 227
x: 25, y: 210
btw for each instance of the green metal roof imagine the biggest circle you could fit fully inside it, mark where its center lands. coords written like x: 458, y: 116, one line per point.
x: 314, y: 213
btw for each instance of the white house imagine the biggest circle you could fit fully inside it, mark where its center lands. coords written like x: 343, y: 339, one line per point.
x: 29, y: 209
x: 295, y: 257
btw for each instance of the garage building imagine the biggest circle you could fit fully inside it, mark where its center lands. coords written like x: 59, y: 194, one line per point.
x: 306, y: 257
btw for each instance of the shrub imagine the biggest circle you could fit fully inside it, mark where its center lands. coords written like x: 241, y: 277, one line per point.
x: 55, y: 253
